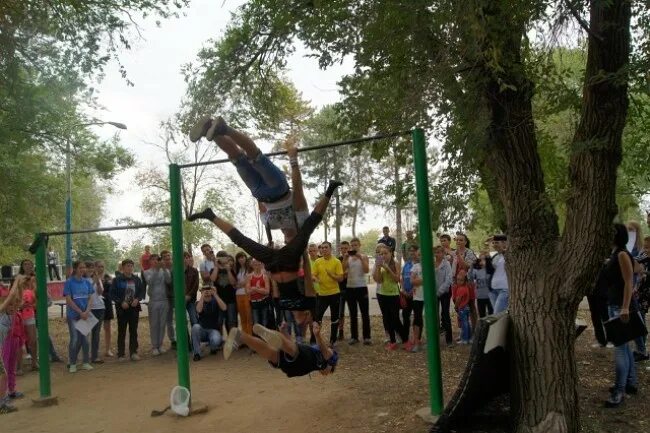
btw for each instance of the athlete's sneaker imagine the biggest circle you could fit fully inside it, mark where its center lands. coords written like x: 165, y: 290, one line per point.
x: 73, y: 368
x: 218, y: 127
x: 200, y: 128
x: 205, y: 214
x: 232, y: 342
x: 273, y: 338
x: 86, y: 366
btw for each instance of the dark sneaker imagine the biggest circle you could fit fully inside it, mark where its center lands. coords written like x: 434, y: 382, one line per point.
x: 353, y: 341
x: 232, y: 342
x: 197, y: 357
x: 200, y: 129
x: 205, y: 214
x: 640, y: 357
x: 615, y: 399
x: 629, y: 389
x: 218, y: 127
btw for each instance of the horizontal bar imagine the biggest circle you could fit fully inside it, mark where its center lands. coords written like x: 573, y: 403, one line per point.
x: 308, y: 148
x: 107, y: 229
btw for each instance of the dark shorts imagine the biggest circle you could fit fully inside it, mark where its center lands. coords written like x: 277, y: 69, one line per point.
x: 306, y: 361
x: 108, y: 312
x: 293, y: 298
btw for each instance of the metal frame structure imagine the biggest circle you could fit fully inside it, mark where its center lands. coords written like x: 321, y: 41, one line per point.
x: 426, y: 247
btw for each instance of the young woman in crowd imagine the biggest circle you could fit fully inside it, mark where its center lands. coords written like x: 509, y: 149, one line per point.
x: 406, y: 292
x: 242, y: 270
x: 257, y: 286
x: 78, y: 292
x: 97, y: 308
x: 12, y: 337
x: 444, y: 279
x: 109, y: 315
x: 619, y: 277
x: 418, y: 299
x: 479, y: 277
x: 28, y: 313
x: 8, y: 307
x: 387, y: 272
x: 376, y: 265
x: 462, y: 294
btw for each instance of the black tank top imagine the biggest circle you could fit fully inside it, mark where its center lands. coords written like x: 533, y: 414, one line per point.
x: 614, y: 278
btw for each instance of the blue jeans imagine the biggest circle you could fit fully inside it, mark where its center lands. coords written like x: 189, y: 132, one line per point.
x: 265, y: 181
x: 624, y: 360
x: 77, y: 341
x: 465, y: 327
x: 499, y: 299
x: 191, y: 311
x: 639, y: 341
x: 261, y: 315
x: 228, y: 317
x: 291, y: 324
x: 95, y: 334
x: 200, y: 334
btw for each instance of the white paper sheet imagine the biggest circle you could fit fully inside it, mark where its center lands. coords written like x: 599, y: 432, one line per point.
x: 85, y: 326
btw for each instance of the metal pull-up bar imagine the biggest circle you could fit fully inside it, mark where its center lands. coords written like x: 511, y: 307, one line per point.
x: 107, y: 229
x: 309, y: 148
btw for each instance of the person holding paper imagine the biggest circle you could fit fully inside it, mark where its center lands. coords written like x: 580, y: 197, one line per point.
x: 78, y: 292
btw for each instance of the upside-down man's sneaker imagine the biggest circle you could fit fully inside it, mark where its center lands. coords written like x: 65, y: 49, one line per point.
x: 218, y: 127
x: 272, y: 337
x: 232, y: 342
x: 200, y: 128
x: 205, y: 214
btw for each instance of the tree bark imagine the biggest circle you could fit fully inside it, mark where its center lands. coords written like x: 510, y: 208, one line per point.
x: 547, y: 273
x: 337, y: 218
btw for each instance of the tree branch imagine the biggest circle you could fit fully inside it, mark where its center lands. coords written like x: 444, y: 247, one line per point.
x: 582, y: 22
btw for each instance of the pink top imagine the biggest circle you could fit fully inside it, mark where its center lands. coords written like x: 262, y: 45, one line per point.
x: 29, y: 304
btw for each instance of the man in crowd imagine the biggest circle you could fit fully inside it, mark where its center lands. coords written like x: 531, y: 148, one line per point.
x: 356, y: 268
x: 328, y: 271
x: 407, y: 244
x: 157, y: 278
x: 127, y: 291
x: 207, y: 265
x: 344, y: 248
x: 53, y: 264
x: 208, y: 327
x: 387, y: 239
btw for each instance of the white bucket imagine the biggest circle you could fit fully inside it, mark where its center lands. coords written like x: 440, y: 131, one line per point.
x: 179, y: 400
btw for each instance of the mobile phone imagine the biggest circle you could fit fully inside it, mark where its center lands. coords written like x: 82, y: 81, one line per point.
x: 352, y: 253
x: 379, y: 260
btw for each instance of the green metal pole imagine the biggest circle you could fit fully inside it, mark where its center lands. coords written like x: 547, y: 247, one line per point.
x: 41, y: 316
x: 179, y: 276
x: 428, y: 271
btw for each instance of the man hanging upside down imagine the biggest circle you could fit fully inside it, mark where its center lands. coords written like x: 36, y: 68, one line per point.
x: 281, y: 352
x: 283, y: 263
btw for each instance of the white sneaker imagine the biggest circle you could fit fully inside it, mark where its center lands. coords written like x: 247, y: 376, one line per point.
x: 121, y: 359
x: 596, y: 346
x: 269, y: 335
x: 86, y: 366
x: 162, y: 350
x: 610, y: 346
x: 72, y: 368
x: 200, y: 128
x: 135, y: 357
x: 155, y: 352
x: 232, y: 342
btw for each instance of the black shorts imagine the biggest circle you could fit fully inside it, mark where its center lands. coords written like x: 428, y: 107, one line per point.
x: 293, y: 299
x: 306, y: 361
x: 108, y: 312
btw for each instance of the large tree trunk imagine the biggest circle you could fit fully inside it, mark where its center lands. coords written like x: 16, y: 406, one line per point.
x: 548, y: 273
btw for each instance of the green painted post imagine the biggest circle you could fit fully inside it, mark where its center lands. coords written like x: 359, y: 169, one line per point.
x: 41, y: 316
x: 428, y: 271
x: 178, y: 271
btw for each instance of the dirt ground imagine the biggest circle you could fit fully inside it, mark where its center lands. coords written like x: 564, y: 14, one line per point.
x: 371, y: 391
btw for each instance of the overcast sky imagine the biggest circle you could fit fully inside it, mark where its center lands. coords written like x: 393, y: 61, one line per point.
x: 154, y: 64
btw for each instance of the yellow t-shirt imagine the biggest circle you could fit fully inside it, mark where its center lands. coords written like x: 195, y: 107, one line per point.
x: 328, y: 285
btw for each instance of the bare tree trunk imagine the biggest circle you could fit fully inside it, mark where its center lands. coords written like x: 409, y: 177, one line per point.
x: 355, y: 211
